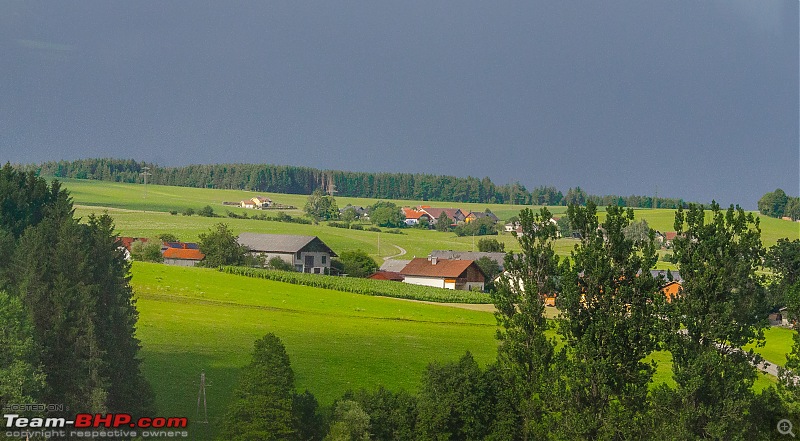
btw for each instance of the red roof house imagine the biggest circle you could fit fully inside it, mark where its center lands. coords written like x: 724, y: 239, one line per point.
x: 444, y: 273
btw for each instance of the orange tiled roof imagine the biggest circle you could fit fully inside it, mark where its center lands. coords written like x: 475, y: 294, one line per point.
x: 412, y: 214
x: 183, y: 253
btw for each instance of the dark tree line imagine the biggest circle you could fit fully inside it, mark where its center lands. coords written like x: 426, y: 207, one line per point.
x: 305, y: 180
x: 68, y: 313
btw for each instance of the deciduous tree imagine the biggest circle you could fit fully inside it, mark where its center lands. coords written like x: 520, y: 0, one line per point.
x: 525, y: 352
x: 721, y: 307
x: 220, y: 247
x: 608, y: 328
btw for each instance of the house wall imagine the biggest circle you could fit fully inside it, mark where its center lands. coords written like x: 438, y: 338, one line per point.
x: 291, y: 258
x: 317, y: 255
x: 181, y: 262
x: 470, y: 285
x: 426, y: 281
x: 474, y: 275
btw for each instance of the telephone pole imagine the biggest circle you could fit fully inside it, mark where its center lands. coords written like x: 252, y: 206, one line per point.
x: 201, y: 395
x: 145, y: 173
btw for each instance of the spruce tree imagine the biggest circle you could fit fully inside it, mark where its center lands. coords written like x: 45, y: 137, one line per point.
x: 262, y: 402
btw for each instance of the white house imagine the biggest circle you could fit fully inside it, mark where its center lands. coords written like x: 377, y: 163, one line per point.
x: 442, y: 273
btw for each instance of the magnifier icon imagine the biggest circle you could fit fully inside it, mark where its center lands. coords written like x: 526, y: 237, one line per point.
x: 785, y: 427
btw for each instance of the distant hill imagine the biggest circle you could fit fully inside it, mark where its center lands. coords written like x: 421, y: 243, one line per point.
x: 304, y: 180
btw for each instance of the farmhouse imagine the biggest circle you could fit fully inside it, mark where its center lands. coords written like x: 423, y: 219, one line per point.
x: 477, y: 215
x: 308, y: 254
x: 387, y: 275
x: 469, y: 255
x: 414, y: 217
x: 257, y: 202
x: 442, y: 273
x: 181, y: 253
x: 455, y: 214
x: 672, y: 282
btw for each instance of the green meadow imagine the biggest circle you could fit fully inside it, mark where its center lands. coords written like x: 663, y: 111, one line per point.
x: 137, y: 214
x: 194, y: 320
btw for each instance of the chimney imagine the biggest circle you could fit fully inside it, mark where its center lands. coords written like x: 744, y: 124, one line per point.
x: 433, y: 260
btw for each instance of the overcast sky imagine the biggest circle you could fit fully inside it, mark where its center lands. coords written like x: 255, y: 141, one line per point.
x: 693, y: 99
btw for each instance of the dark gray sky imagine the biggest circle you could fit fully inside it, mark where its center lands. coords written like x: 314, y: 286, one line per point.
x: 697, y: 99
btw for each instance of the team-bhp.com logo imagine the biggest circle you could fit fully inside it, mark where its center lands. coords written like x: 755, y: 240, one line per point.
x: 94, y: 425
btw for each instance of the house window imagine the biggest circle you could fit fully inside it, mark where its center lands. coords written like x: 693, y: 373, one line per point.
x: 298, y: 255
x: 324, y: 260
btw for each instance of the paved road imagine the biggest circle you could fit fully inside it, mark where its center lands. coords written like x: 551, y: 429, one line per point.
x: 401, y: 253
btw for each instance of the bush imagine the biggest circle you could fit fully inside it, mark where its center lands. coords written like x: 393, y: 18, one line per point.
x: 206, y: 211
x: 173, y: 212
x: 279, y: 264
x: 167, y: 237
x: 358, y: 227
x: 491, y: 246
x: 188, y: 212
x: 357, y: 264
x: 368, y: 287
x: 375, y: 229
x: 395, y: 231
x: 149, y: 251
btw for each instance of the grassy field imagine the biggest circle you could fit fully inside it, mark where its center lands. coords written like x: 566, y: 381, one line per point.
x: 194, y: 320
x: 136, y: 215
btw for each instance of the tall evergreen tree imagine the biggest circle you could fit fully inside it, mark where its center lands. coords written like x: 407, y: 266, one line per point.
x: 261, y: 409
x: 73, y: 283
x: 21, y: 378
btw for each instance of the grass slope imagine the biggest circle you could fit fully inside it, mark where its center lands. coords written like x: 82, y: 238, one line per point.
x: 194, y: 320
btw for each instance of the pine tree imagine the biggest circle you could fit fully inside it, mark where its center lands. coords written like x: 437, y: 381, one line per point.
x: 262, y: 402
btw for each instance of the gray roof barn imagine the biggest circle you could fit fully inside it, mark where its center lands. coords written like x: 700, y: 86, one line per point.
x: 394, y: 265
x: 283, y: 243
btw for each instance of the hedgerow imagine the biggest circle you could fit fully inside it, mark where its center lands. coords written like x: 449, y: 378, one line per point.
x: 363, y: 286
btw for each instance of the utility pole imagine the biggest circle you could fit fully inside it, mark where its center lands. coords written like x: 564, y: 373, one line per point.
x: 655, y: 201
x: 201, y: 395
x: 145, y: 173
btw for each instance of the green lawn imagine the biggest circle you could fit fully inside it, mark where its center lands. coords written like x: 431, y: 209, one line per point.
x: 778, y: 344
